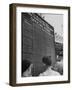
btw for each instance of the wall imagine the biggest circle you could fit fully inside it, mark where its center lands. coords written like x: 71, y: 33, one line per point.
x: 4, y: 45
x: 37, y: 41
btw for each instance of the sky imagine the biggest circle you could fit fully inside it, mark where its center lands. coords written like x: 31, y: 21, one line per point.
x: 56, y: 20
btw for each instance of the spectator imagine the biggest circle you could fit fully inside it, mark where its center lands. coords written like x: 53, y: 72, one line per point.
x: 48, y: 72
x: 26, y: 68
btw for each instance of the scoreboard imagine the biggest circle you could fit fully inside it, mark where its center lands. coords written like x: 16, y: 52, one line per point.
x: 37, y: 40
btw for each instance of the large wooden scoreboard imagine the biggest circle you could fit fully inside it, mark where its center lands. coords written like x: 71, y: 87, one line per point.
x: 37, y: 40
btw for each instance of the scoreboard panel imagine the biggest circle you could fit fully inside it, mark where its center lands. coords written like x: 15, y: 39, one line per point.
x: 37, y: 40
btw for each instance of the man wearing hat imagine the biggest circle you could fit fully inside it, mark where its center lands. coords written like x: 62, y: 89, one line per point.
x: 48, y: 72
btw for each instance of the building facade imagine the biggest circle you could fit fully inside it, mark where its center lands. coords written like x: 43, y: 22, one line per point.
x: 37, y: 40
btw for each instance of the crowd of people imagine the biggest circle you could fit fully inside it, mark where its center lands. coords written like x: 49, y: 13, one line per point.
x: 51, y: 70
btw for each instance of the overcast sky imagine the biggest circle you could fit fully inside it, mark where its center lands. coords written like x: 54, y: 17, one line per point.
x: 56, y: 20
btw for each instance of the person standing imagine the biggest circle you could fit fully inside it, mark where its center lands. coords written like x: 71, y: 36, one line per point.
x: 26, y: 68
x: 48, y: 72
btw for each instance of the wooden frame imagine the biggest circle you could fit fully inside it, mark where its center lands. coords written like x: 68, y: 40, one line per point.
x: 13, y: 31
